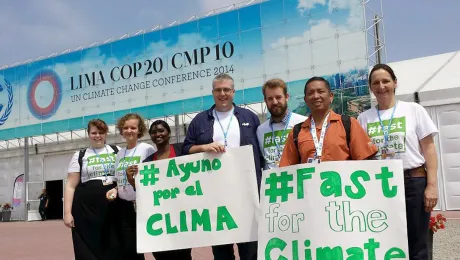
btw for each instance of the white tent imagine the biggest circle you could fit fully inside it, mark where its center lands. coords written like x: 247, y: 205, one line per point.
x: 434, y: 82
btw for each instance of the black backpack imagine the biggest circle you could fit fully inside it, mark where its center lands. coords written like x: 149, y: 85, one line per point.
x: 346, y: 124
x: 83, y: 151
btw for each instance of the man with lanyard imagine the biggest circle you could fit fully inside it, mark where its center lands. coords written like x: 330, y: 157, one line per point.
x: 225, y: 125
x: 322, y: 137
x: 272, y: 134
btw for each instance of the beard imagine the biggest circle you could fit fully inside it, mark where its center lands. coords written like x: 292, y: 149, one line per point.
x: 277, y: 111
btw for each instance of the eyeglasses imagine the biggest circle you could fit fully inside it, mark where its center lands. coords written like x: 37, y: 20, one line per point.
x: 225, y: 90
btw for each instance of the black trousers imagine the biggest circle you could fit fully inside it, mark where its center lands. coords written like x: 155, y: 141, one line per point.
x: 418, y: 220
x: 42, y: 211
x: 181, y: 254
x: 247, y: 251
x: 127, y: 230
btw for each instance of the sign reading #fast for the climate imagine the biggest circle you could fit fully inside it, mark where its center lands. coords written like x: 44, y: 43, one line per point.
x: 351, y: 210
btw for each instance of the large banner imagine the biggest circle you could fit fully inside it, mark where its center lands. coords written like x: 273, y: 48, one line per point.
x: 197, y: 200
x: 169, y: 70
x: 334, y: 210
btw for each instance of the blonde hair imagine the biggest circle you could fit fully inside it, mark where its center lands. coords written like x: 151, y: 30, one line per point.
x: 140, y: 125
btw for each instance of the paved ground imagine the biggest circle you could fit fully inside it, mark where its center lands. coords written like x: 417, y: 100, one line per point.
x: 51, y: 240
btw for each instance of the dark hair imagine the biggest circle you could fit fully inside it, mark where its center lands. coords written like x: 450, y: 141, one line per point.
x: 99, y: 124
x: 382, y: 67
x: 317, y: 79
x: 273, y: 84
x: 140, y: 124
x: 159, y: 122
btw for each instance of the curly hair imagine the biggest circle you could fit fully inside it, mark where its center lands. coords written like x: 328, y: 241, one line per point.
x: 99, y: 124
x: 140, y: 125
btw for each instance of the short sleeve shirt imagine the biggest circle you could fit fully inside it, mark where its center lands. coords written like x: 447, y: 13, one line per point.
x: 97, y: 164
x: 335, y: 146
x: 126, y: 158
x: 410, y: 124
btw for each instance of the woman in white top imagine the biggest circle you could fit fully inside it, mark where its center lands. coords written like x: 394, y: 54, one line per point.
x: 131, y: 127
x: 86, y: 210
x: 410, y: 138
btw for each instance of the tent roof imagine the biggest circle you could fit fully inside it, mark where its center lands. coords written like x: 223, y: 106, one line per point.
x: 435, y: 78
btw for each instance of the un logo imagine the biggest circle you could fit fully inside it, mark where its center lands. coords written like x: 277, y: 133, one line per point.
x: 5, y: 112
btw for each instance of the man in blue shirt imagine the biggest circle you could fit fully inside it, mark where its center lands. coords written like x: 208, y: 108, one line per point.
x: 225, y: 125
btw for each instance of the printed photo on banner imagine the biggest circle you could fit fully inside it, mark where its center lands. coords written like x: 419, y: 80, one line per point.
x: 333, y: 210
x: 197, y: 200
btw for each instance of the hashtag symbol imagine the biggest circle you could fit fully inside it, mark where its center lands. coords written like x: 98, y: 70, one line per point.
x: 149, y: 175
x: 372, y: 130
x: 268, y: 140
x: 282, y: 190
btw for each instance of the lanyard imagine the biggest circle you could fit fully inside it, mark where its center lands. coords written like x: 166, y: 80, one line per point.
x: 221, y: 127
x: 124, y: 161
x: 278, y: 148
x: 318, y: 144
x: 106, y: 169
x: 386, y: 131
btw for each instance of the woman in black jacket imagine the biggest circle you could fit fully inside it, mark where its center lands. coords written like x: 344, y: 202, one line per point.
x: 160, y: 133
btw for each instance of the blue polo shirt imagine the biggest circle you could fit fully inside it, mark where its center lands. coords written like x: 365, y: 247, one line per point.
x: 201, y: 131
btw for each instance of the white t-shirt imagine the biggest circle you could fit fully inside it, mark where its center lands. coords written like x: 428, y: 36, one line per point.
x: 233, y: 135
x: 127, y: 158
x: 411, y: 123
x: 95, y: 165
x: 265, y: 135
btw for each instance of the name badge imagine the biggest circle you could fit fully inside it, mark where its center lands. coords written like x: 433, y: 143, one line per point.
x: 313, y: 160
x: 388, y: 153
x: 107, y: 181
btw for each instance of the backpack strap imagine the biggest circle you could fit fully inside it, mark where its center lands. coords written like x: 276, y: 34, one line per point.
x: 295, y: 135
x: 346, y: 121
x: 114, y: 148
x: 80, y: 159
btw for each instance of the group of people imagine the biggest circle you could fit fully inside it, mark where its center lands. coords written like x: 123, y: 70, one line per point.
x: 100, y: 190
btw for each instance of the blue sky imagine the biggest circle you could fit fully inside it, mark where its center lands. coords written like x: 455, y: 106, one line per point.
x: 29, y: 29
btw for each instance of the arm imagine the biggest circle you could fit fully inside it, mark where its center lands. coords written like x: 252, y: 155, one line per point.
x: 361, y: 145
x: 290, y: 154
x: 259, y: 147
x: 431, y: 160
x: 46, y: 205
x: 72, y: 181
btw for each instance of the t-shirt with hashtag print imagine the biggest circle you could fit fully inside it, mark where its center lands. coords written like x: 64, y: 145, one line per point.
x: 133, y: 156
x: 267, y: 144
x: 94, y: 165
x: 410, y: 124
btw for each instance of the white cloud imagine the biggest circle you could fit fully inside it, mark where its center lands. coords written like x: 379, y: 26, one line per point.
x: 350, y: 48
x: 305, y: 5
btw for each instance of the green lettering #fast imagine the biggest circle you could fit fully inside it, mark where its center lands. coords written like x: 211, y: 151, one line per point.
x: 398, y: 125
x: 128, y: 161
x: 101, y: 159
x: 279, y: 138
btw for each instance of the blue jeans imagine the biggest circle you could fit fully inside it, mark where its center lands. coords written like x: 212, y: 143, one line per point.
x: 418, y: 220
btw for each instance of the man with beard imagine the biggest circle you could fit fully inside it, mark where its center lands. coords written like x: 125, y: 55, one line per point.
x: 325, y: 135
x: 272, y: 134
x: 225, y: 125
